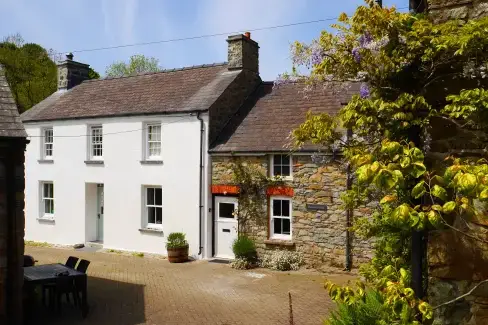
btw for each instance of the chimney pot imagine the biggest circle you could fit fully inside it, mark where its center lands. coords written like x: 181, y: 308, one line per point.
x: 69, y: 56
x: 247, y: 34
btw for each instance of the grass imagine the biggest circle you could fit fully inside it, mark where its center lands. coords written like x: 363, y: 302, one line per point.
x: 138, y: 254
x: 115, y: 251
x: 36, y: 244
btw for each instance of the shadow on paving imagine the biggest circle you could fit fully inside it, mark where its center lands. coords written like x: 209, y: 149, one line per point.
x: 110, y: 302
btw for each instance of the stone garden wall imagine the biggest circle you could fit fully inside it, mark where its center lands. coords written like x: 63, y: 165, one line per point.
x: 442, y: 10
x: 319, y: 235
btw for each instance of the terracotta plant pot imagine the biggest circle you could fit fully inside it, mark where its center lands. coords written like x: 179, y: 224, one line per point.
x: 178, y: 255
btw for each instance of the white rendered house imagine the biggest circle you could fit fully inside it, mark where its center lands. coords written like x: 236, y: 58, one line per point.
x: 123, y: 162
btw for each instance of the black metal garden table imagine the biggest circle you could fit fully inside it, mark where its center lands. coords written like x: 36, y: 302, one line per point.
x: 47, y: 273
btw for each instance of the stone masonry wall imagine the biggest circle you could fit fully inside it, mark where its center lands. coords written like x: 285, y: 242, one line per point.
x: 442, y: 10
x: 319, y: 235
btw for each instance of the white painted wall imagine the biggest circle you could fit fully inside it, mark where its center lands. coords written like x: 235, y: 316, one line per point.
x: 123, y: 177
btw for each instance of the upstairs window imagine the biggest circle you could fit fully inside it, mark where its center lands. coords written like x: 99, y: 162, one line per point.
x: 96, y: 142
x: 281, y: 166
x: 154, y: 207
x: 153, y: 141
x: 281, y: 212
x: 47, y: 145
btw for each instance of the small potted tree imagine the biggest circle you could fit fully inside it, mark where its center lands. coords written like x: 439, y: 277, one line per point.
x: 177, y: 247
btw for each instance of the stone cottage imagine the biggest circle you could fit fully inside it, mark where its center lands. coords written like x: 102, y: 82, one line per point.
x: 13, y: 140
x: 303, y: 213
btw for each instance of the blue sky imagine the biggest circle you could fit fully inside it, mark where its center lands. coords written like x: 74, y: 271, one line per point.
x: 85, y: 24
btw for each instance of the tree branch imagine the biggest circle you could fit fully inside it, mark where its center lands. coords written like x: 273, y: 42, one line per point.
x: 461, y: 296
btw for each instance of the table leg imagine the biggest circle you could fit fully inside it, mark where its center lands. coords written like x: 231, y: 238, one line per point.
x: 84, y: 298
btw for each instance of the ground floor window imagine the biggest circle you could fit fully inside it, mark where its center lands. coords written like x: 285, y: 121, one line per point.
x: 281, y: 211
x: 154, y: 206
x: 47, y: 200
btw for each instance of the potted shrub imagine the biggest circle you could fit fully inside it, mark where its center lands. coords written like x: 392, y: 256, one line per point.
x: 177, y: 247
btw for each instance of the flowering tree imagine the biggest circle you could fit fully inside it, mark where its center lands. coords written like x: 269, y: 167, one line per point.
x: 415, y: 78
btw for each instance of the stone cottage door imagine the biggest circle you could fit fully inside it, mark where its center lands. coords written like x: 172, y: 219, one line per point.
x: 225, y: 225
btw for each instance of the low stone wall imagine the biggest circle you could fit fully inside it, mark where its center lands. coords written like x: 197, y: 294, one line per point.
x: 319, y: 235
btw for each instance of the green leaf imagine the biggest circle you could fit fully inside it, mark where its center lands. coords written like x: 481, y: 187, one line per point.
x: 417, y: 155
x: 439, y: 192
x: 385, y: 179
x: 467, y: 182
x: 402, y: 212
x: 436, y: 207
x: 448, y: 207
x: 434, y: 218
x: 484, y: 195
x: 405, y: 162
x: 364, y: 174
x: 418, y: 190
x: 418, y: 169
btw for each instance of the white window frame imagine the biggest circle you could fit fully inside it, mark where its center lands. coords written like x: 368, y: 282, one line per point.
x: 45, y: 144
x: 148, y: 142
x: 272, y: 165
x: 272, y: 234
x: 154, y: 205
x: 91, y: 142
x: 46, y: 197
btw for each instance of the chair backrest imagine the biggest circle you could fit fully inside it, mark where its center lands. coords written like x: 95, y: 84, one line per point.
x: 83, y: 266
x: 71, y: 262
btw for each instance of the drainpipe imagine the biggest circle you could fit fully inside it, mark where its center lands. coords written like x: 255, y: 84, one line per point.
x: 349, y: 212
x: 200, y: 190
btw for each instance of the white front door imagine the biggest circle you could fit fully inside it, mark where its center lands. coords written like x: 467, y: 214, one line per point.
x: 100, y: 212
x: 225, y: 225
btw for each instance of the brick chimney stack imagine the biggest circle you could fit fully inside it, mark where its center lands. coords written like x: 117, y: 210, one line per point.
x: 71, y: 73
x: 243, y: 53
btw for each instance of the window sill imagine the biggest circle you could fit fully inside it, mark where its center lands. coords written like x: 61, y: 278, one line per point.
x: 46, y: 219
x: 280, y: 242
x: 45, y: 161
x: 94, y: 162
x: 152, y: 230
x: 151, y: 162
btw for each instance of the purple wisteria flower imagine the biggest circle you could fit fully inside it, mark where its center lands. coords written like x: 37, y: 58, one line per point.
x: 364, y: 91
x: 365, y: 39
x: 317, y: 55
x: 356, y: 55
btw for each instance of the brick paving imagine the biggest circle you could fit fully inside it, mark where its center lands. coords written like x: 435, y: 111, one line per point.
x: 130, y: 290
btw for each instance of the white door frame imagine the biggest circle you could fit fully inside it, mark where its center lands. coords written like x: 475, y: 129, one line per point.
x: 225, y: 229
x: 100, y: 211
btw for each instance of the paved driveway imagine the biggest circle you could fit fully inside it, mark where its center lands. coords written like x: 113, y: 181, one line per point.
x: 130, y: 290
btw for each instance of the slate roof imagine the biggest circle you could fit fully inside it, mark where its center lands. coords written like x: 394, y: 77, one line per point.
x: 264, y: 122
x: 10, y: 123
x: 189, y: 89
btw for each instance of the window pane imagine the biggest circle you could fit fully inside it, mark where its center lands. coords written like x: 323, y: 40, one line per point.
x: 159, y: 215
x: 277, y: 208
x: 159, y: 196
x: 150, y: 196
x: 277, y: 225
x: 45, y: 191
x: 226, y: 210
x: 285, y: 210
x: 48, y: 206
x: 277, y: 170
x: 286, y: 226
x: 51, y: 190
x: 285, y: 170
x: 277, y: 159
x: 151, y: 215
x: 285, y: 160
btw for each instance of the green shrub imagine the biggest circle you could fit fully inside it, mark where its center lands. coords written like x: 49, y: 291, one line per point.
x: 243, y: 247
x: 282, y: 260
x: 369, y: 311
x: 176, y: 240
